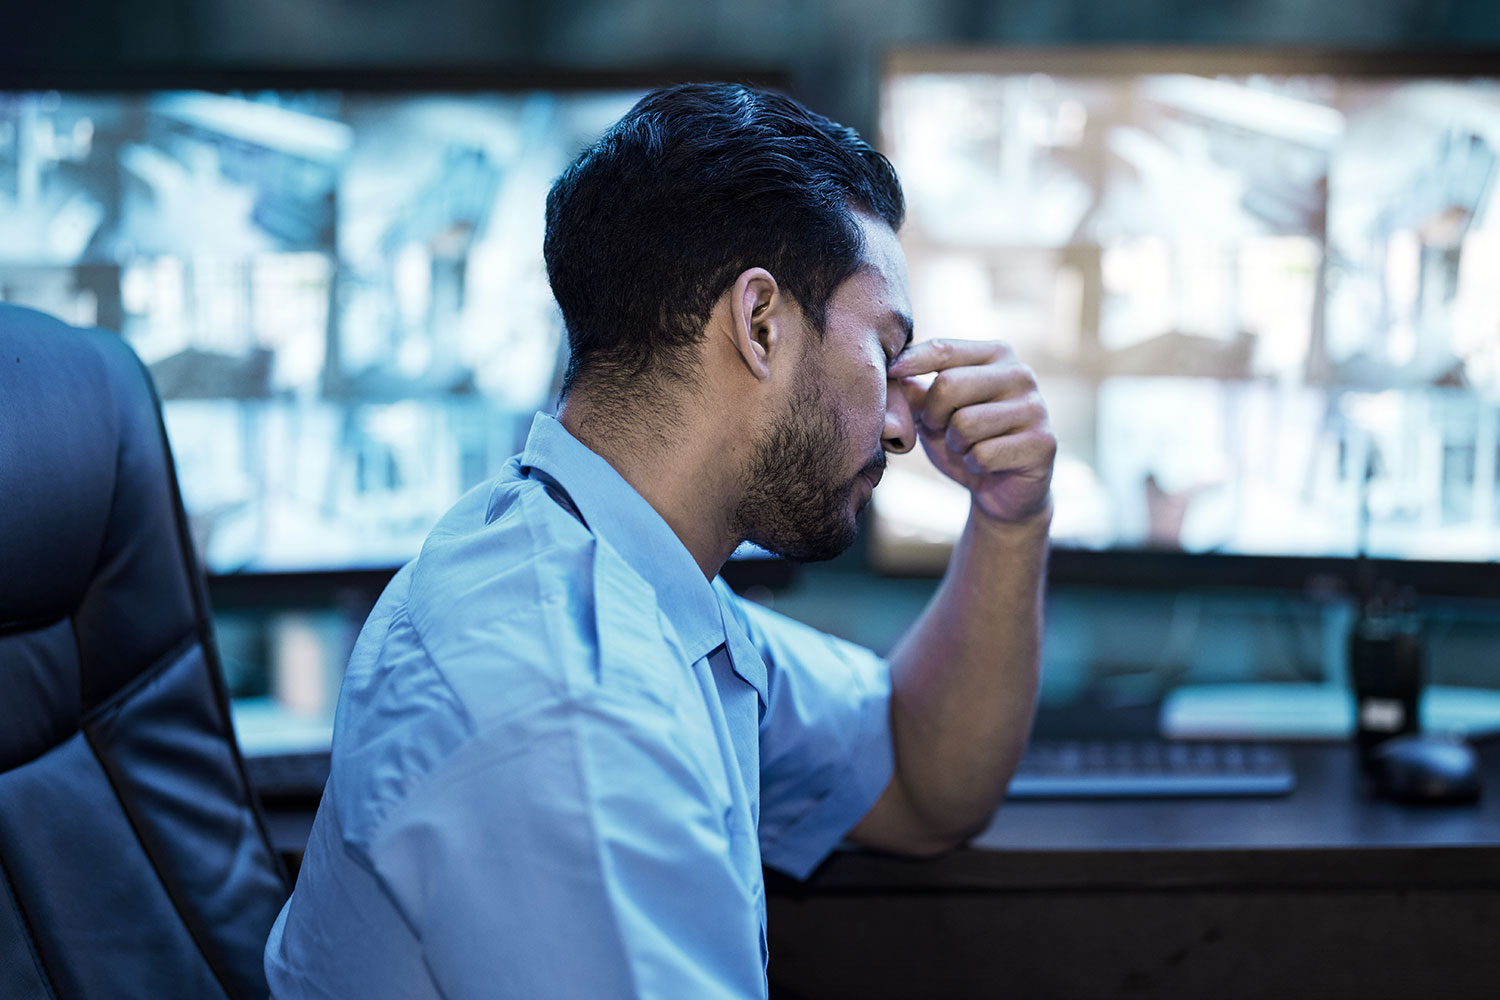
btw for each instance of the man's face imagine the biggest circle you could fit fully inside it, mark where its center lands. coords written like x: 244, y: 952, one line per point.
x: 814, y: 471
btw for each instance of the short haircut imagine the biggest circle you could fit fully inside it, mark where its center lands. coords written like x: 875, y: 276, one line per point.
x: 696, y: 184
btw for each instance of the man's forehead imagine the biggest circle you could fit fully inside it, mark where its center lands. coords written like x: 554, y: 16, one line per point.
x: 882, y: 246
x: 884, y: 267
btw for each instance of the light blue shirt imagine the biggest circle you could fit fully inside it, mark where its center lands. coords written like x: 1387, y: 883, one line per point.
x: 561, y: 756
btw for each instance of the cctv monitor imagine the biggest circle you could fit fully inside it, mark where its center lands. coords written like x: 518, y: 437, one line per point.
x: 1257, y: 290
x: 338, y: 288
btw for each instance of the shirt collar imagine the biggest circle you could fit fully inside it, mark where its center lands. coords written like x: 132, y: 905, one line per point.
x: 612, y: 509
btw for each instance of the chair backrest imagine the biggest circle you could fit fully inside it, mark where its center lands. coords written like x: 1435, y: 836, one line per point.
x: 133, y: 861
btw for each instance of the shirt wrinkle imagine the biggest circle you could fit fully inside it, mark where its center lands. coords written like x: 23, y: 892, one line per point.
x: 530, y: 655
x: 601, y: 860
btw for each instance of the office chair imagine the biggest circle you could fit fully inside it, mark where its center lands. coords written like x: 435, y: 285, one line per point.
x: 133, y: 860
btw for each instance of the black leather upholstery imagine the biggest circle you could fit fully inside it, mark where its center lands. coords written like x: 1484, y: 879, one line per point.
x: 132, y: 860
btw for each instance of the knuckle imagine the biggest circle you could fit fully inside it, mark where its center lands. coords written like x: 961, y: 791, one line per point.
x: 942, y: 384
x: 1043, y: 446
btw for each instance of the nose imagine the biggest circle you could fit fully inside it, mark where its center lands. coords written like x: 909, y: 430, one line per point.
x: 899, y: 434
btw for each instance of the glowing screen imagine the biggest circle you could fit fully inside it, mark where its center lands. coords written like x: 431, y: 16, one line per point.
x: 340, y: 296
x: 1258, y: 306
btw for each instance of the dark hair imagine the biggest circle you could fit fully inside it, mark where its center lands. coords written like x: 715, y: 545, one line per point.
x: 694, y: 185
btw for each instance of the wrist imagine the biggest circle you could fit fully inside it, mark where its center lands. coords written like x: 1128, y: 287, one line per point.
x: 1037, y: 522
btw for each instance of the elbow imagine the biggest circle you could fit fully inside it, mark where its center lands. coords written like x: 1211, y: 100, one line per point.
x: 934, y: 836
x: 954, y: 838
x: 938, y: 843
x: 922, y: 826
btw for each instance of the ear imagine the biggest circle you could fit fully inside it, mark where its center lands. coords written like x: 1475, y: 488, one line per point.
x: 757, y: 311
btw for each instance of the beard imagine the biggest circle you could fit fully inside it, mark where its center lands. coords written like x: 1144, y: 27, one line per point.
x: 796, y: 503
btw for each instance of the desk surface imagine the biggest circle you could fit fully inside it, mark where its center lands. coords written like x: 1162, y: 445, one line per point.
x: 1330, y: 831
x: 1327, y: 892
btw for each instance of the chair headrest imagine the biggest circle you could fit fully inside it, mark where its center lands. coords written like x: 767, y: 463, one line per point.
x: 90, y: 523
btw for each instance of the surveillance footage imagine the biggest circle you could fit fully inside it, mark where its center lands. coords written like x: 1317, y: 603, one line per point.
x: 340, y: 296
x: 1264, y: 311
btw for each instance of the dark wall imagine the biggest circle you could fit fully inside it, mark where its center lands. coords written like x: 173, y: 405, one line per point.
x: 830, y: 50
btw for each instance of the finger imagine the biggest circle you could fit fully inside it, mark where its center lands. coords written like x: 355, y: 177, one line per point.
x: 916, y: 396
x: 972, y: 424
x: 955, y: 388
x: 1031, y: 451
x: 941, y: 353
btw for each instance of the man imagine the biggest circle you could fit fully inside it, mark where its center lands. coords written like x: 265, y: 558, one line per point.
x: 564, y: 748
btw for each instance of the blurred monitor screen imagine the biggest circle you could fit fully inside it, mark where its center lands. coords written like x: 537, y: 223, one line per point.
x: 340, y: 295
x: 1258, y: 303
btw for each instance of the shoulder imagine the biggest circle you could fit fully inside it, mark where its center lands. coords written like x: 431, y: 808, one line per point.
x: 494, y: 609
x: 496, y: 622
x: 504, y: 580
x: 520, y: 603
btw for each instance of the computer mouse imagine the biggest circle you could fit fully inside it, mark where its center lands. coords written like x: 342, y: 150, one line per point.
x: 1418, y: 768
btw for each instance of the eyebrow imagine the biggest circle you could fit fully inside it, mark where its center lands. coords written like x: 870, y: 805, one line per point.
x: 903, y: 323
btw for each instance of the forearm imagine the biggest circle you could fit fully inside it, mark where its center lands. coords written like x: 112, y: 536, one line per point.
x: 964, y: 679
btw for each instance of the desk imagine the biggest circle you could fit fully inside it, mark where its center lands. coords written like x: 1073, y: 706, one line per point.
x: 1326, y: 892
x: 1323, y: 893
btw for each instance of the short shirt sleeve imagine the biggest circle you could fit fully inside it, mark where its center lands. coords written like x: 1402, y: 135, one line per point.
x: 579, y: 854
x: 825, y: 737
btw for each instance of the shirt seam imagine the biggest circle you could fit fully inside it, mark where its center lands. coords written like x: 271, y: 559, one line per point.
x: 471, y: 727
x: 411, y: 779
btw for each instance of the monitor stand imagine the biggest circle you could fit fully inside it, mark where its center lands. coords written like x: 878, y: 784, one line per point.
x: 1310, y: 711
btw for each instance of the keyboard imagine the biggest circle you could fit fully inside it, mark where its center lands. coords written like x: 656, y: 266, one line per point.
x: 1137, y: 769
x: 300, y: 775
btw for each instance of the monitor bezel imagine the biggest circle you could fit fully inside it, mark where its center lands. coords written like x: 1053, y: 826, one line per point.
x: 1115, y: 60
x: 363, y: 79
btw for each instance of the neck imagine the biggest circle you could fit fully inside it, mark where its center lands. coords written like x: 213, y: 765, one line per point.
x: 687, y: 475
